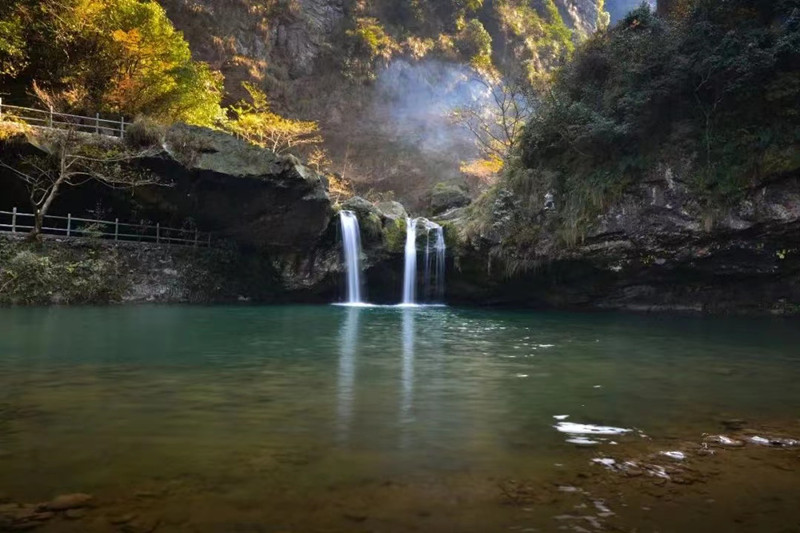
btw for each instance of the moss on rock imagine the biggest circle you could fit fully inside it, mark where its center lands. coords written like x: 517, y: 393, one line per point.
x: 394, y: 235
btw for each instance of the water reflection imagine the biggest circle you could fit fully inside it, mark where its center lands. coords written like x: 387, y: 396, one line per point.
x: 347, y: 372
x: 407, y: 376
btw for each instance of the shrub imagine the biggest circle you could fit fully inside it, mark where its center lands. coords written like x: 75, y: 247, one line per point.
x: 144, y: 133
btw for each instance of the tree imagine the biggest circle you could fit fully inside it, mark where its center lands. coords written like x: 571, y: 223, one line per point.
x: 475, y: 43
x: 69, y: 160
x: 256, y: 123
x: 122, y: 57
x: 154, y: 73
x: 497, y: 118
x: 12, y: 46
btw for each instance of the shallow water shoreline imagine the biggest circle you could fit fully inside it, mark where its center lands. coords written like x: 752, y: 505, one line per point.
x: 329, y: 418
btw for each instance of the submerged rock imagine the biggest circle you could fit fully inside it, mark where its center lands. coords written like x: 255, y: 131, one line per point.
x: 723, y: 441
x: 68, y: 501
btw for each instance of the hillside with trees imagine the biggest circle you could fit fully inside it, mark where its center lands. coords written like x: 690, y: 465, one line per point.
x: 710, y: 91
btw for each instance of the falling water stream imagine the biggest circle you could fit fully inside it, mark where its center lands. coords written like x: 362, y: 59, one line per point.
x: 410, y: 274
x: 352, y: 255
x: 435, y: 249
x: 434, y: 265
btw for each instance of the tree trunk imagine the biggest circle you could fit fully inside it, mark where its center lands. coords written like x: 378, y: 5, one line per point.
x: 38, y: 222
x: 40, y: 212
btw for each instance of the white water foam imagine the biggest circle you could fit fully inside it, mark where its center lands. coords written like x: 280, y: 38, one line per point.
x: 583, y: 441
x: 678, y: 456
x: 589, y: 429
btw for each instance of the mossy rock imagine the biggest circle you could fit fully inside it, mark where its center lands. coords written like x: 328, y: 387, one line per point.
x: 371, y: 227
x: 446, y: 196
x: 452, y: 236
x: 394, y: 235
x: 393, y: 210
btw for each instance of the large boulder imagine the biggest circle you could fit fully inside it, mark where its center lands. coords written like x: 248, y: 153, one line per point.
x: 247, y: 193
x: 361, y: 207
x: 446, y: 196
x: 392, y: 210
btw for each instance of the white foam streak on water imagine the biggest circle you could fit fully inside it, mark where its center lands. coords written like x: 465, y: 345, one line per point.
x: 678, y: 456
x: 589, y: 429
x: 582, y: 441
x: 605, y: 461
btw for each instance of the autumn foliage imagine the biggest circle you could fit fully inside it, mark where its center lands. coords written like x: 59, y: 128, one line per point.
x: 120, y: 57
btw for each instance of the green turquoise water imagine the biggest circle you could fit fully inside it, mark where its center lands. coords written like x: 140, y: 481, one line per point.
x: 291, y: 403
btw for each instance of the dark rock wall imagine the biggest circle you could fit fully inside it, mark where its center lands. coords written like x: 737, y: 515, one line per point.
x: 657, y: 249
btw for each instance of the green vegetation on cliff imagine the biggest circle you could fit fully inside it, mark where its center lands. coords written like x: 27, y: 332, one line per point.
x: 713, y: 91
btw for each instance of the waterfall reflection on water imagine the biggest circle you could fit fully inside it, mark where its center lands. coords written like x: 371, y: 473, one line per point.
x: 347, y: 372
x: 407, y: 377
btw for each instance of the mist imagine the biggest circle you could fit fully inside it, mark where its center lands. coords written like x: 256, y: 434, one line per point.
x: 414, y: 103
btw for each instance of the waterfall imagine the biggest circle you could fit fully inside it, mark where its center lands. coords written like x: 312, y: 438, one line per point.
x: 435, y: 250
x: 351, y: 237
x: 426, y: 291
x: 440, y: 249
x: 410, y: 277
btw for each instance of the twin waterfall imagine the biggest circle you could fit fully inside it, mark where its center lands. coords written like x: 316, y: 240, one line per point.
x: 434, y: 260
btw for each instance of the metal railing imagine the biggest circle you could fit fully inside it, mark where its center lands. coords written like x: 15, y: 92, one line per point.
x: 70, y: 226
x: 47, y: 118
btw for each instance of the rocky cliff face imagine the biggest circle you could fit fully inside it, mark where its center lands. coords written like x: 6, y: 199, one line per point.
x: 658, y: 249
x: 270, y: 217
x: 300, y: 41
x: 581, y: 15
x: 247, y: 40
x: 251, y: 41
x: 304, y: 55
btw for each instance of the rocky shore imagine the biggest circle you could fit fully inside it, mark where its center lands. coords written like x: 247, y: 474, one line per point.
x: 634, y: 483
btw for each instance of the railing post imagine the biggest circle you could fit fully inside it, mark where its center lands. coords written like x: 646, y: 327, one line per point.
x: 69, y: 224
x: 158, y: 232
x: 122, y: 127
x: 14, y: 220
x: 116, y: 229
x: 97, y: 123
x: 196, y: 235
x: 209, y: 240
x: 1, y: 108
x: 51, y: 116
